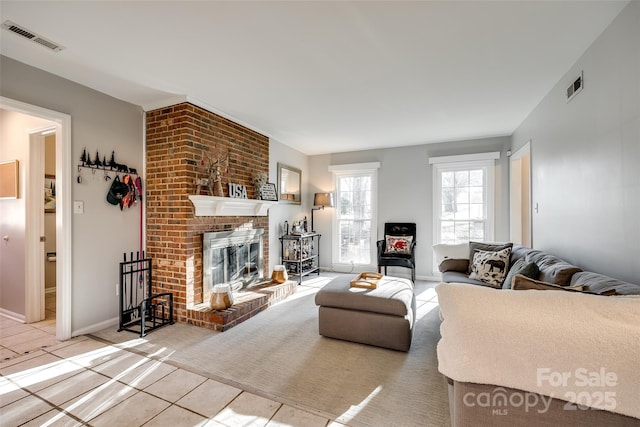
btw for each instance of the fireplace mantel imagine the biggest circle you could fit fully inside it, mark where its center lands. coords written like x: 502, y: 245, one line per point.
x: 228, y: 206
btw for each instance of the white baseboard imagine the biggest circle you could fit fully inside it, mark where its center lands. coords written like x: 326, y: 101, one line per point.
x: 95, y: 327
x: 11, y: 315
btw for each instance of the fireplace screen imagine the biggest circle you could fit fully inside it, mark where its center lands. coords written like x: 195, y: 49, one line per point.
x: 233, y: 257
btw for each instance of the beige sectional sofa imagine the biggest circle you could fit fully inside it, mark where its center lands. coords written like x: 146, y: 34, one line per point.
x: 532, y: 357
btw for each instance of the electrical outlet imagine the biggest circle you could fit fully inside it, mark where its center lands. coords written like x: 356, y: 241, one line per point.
x: 117, y: 289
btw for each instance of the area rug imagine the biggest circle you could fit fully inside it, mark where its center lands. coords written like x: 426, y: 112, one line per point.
x: 280, y: 355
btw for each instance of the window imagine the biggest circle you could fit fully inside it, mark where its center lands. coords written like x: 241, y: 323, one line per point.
x: 463, y: 198
x: 355, y: 222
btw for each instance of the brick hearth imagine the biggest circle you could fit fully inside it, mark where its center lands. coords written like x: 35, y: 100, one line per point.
x: 177, y: 139
x: 248, y: 303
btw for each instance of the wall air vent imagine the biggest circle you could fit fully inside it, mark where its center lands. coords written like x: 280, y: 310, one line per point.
x: 575, y: 87
x: 30, y: 35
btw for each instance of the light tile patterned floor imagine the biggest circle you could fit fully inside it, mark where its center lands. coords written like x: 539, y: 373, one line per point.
x: 83, y: 381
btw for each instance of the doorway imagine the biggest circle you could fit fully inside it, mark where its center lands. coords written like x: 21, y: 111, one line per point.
x: 60, y: 126
x: 50, y: 224
x: 520, y: 196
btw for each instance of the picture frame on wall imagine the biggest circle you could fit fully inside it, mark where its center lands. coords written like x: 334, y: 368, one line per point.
x: 49, y: 194
x: 269, y: 192
x: 9, y: 179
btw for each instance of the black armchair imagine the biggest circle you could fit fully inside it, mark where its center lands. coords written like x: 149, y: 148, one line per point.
x: 397, y: 249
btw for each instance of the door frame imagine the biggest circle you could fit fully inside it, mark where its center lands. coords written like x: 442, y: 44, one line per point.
x: 64, y: 251
x: 515, y: 192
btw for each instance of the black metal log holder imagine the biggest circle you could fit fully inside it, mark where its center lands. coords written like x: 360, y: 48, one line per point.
x: 141, y: 311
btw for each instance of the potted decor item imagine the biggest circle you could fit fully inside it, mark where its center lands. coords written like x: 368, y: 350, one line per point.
x: 221, y: 297
x: 279, y: 274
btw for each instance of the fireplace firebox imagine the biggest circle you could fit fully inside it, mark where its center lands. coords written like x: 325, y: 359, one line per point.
x: 233, y: 257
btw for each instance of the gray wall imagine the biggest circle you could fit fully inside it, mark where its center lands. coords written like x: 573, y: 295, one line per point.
x: 405, y: 191
x: 282, y: 212
x: 586, y: 154
x: 103, y: 233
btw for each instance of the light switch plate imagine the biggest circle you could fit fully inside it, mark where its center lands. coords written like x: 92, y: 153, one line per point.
x: 78, y: 206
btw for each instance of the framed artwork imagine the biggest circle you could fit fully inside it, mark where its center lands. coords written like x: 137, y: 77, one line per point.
x: 269, y: 192
x: 49, y: 193
x: 9, y: 180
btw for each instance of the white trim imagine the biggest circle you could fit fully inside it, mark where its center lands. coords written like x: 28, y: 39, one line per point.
x: 348, y: 170
x: 354, y: 167
x: 494, y: 155
x: 489, y: 168
x: 64, y: 242
x: 163, y: 103
x: 43, y: 130
x: 522, y: 151
x: 228, y: 206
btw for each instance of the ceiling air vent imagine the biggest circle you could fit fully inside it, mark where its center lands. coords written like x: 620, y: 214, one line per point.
x: 575, y: 87
x: 30, y: 35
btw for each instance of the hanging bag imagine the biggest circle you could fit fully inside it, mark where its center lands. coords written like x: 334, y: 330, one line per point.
x: 117, y: 191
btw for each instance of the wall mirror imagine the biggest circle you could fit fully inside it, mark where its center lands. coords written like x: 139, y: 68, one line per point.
x: 9, y: 180
x: 289, y: 184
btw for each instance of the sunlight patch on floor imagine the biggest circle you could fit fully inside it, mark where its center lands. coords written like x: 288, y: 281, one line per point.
x: 424, y: 309
x: 351, y: 413
x: 426, y: 295
x: 39, y: 374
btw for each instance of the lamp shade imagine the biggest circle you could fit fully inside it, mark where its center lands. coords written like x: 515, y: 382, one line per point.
x: 323, y: 199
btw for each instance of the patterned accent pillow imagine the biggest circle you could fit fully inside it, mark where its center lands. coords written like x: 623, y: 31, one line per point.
x: 490, y: 267
x: 398, y: 245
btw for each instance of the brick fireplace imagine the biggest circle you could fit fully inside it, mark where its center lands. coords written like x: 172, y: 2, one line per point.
x: 177, y: 139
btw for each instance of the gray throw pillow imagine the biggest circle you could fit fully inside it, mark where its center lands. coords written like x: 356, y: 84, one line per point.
x: 528, y: 269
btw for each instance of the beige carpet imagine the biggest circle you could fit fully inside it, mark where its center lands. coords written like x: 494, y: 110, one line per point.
x: 279, y: 354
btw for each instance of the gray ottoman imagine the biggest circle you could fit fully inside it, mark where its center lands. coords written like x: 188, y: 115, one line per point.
x: 383, y: 317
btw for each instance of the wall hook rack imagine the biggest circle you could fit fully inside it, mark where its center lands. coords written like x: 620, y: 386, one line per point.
x: 106, y: 166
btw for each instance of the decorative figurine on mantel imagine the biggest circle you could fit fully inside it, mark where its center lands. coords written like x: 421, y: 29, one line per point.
x: 259, y: 180
x: 214, y: 170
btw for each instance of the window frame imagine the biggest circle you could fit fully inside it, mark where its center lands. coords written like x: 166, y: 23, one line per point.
x: 352, y: 170
x: 485, y: 161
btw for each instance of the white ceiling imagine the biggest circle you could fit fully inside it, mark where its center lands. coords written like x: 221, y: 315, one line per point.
x: 321, y: 77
